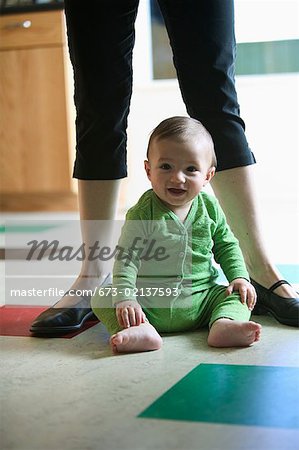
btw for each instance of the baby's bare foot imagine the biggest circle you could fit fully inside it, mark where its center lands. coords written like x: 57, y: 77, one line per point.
x: 136, y: 339
x: 232, y: 333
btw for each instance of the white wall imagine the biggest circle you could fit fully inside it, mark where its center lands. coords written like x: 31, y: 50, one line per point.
x: 266, y: 20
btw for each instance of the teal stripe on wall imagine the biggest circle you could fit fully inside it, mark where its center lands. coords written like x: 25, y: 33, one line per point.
x: 267, y: 57
x: 289, y: 272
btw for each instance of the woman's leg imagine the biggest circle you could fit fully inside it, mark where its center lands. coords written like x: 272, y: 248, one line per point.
x: 204, y: 58
x: 235, y: 189
x: 101, y: 39
x: 97, y: 204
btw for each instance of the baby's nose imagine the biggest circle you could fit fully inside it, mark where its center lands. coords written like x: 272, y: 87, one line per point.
x: 178, y: 177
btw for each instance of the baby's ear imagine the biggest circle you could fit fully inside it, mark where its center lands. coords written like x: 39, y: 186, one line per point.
x: 210, y: 174
x: 147, y: 168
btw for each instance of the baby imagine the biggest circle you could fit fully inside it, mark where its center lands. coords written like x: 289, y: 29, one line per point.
x: 178, y: 292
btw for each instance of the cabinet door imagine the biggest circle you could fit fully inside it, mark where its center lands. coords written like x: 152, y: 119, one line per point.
x: 35, y: 153
x: 34, y: 130
x: 35, y: 149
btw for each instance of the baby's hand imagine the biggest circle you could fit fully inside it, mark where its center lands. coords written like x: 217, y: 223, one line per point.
x: 245, y: 289
x: 129, y: 314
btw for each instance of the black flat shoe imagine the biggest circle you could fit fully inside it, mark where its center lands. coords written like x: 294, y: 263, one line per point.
x: 58, y: 321
x: 285, y: 310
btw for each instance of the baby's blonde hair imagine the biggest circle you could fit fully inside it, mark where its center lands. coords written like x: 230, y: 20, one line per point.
x: 183, y: 129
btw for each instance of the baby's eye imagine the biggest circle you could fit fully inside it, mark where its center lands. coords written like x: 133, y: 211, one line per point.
x: 192, y: 169
x: 165, y: 166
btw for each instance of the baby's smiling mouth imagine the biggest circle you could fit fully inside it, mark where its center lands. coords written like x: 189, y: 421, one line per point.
x: 176, y: 191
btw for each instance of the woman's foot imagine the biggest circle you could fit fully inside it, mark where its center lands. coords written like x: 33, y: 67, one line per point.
x: 136, y: 339
x: 71, y: 312
x: 267, y: 277
x: 284, y: 310
x: 275, y: 296
x: 233, y: 333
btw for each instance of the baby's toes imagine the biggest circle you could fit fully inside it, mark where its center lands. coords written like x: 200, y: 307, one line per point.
x: 116, y: 339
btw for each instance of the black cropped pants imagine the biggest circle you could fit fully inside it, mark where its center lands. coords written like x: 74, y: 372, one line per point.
x: 101, y: 39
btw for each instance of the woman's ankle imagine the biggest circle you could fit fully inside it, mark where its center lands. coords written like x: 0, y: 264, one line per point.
x: 264, y: 274
x: 80, y: 292
x: 267, y: 275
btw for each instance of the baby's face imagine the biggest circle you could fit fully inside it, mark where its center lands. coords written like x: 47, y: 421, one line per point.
x: 178, y: 170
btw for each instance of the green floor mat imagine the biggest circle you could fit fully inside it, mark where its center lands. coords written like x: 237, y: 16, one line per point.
x: 262, y: 396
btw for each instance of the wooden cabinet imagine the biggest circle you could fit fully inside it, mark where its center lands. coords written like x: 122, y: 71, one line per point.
x: 36, y: 145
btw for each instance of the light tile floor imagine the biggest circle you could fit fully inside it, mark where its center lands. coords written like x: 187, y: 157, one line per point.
x: 74, y: 394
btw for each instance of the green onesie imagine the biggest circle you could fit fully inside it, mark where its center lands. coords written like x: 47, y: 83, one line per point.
x: 167, y: 267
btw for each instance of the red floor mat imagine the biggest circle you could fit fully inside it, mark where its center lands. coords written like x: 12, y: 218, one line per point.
x: 15, y: 320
